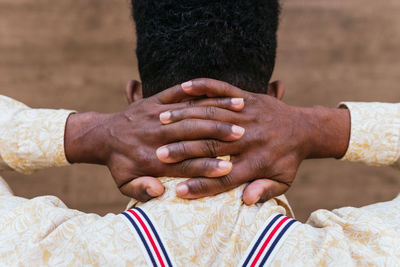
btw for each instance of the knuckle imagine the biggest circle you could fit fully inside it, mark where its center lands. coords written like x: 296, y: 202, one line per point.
x: 209, y: 113
x: 227, y: 181
x: 176, y: 115
x: 182, y: 149
x: 223, y: 102
x: 220, y: 127
x: 211, y: 147
x: 154, y: 112
x: 190, y: 103
x: 143, y: 157
x: 251, y: 99
x: 198, y: 186
x: 185, y: 166
x: 208, y: 165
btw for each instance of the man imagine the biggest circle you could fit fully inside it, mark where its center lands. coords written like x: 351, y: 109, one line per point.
x: 218, y: 230
x: 336, y: 237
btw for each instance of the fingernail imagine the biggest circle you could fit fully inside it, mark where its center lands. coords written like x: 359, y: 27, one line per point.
x: 182, y: 189
x: 237, y: 101
x: 187, y: 85
x: 225, y: 165
x: 237, y: 131
x: 165, y: 117
x: 162, y: 152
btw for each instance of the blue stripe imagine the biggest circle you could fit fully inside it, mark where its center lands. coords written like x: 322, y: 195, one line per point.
x: 156, y: 234
x: 260, y: 238
x: 276, y: 242
x: 142, y: 238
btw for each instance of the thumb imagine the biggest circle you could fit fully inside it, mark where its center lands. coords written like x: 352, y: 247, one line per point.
x: 143, y: 188
x: 262, y: 190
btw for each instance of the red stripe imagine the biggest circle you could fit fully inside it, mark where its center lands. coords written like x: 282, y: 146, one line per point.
x: 148, y: 236
x: 260, y: 252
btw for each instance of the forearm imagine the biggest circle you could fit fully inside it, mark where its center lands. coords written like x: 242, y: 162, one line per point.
x: 328, y: 131
x: 364, y: 132
x: 84, y: 133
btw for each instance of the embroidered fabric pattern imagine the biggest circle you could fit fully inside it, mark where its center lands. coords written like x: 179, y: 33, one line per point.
x: 153, y: 246
x: 269, y: 238
x: 375, y: 133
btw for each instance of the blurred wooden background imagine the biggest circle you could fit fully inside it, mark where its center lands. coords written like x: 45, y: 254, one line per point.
x: 79, y: 55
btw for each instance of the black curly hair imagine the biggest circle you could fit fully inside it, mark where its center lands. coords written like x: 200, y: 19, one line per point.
x: 229, y: 40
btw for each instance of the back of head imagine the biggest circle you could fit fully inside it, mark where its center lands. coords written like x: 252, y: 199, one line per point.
x: 228, y: 40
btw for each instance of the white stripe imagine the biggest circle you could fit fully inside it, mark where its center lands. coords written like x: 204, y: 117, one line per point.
x: 274, y: 237
x: 253, y: 242
x: 137, y: 237
x: 271, y: 241
x: 265, y: 238
x: 154, y: 238
x: 162, y: 240
x: 279, y: 244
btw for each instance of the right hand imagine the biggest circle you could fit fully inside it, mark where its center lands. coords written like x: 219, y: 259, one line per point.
x: 126, y: 141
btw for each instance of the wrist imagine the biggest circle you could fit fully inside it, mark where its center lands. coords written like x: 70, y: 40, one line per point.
x: 84, y: 138
x: 328, y: 132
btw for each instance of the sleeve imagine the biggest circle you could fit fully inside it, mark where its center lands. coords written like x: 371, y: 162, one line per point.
x: 31, y: 139
x: 367, y: 236
x: 43, y: 231
x: 375, y: 133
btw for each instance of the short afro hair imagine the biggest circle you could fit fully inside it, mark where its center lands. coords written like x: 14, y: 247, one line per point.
x: 229, y: 40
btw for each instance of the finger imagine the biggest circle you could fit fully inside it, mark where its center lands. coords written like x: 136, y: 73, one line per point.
x: 143, y: 188
x: 198, y: 87
x: 208, y: 148
x: 234, y: 104
x: 262, y: 190
x: 202, y: 187
x: 172, y: 95
x: 212, y: 88
x: 204, y: 113
x: 194, y: 129
x: 203, y: 167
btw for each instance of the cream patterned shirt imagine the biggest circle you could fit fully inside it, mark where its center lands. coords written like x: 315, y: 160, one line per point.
x: 213, y: 231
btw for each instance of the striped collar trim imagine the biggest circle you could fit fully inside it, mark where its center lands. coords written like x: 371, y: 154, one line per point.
x: 147, y: 235
x: 268, y: 241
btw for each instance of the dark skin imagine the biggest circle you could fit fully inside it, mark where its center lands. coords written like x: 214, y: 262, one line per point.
x: 278, y: 138
x: 126, y: 141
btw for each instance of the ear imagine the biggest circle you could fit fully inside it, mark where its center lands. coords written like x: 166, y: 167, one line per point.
x: 276, y: 89
x: 133, y: 91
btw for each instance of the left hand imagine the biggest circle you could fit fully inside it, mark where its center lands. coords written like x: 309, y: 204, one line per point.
x: 277, y: 139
